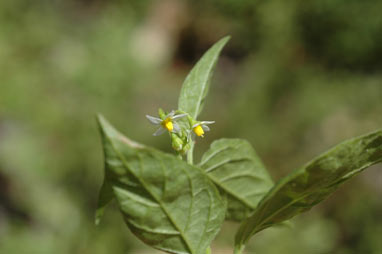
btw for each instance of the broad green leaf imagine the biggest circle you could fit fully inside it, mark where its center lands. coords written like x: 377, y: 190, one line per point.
x: 312, y: 183
x: 167, y: 203
x: 196, y: 84
x: 233, y: 165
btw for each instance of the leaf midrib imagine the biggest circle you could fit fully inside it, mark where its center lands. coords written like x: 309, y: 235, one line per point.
x: 156, y: 199
x: 205, y: 81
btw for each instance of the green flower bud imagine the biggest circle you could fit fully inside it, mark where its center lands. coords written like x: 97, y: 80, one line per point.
x: 177, y: 143
x: 186, y: 147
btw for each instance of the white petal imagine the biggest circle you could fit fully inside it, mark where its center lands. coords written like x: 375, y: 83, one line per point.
x: 191, y: 136
x: 171, y: 114
x: 207, y: 122
x: 193, y: 126
x: 160, y: 131
x: 178, y: 116
x: 154, y: 120
x: 176, y: 127
x: 205, y: 127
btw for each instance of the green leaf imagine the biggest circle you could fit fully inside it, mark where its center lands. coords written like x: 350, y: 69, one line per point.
x: 196, y: 84
x: 167, y: 203
x: 233, y: 165
x: 312, y: 183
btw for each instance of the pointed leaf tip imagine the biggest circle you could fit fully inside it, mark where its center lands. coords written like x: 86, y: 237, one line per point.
x: 102, y: 122
x: 195, y: 86
x: 225, y: 39
x: 109, y: 131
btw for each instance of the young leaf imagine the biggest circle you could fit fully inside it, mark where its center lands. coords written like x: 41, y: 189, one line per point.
x: 167, y: 203
x: 311, y: 184
x: 233, y: 165
x: 196, y: 84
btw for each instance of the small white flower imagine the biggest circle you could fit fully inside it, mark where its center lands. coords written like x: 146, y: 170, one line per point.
x: 201, y: 127
x: 168, y: 123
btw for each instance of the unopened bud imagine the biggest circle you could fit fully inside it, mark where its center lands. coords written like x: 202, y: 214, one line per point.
x: 177, y: 143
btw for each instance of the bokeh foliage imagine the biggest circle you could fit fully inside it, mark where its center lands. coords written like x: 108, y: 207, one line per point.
x: 296, y: 78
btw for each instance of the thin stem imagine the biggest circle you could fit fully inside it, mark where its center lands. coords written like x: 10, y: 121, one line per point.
x: 190, y: 153
x: 239, y: 249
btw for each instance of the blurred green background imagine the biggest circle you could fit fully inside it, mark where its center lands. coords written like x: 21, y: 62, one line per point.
x: 296, y: 78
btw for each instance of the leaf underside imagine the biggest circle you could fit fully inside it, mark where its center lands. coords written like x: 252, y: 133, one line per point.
x: 312, y: 183
x: 167, y: 203
x: 195, y: 86
x: 233, y: 165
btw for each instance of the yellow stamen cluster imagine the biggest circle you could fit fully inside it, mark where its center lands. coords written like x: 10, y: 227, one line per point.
x: 167, y: 124
x: 199, y: 131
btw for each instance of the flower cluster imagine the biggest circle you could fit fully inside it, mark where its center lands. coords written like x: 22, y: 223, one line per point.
x: 182, y: 132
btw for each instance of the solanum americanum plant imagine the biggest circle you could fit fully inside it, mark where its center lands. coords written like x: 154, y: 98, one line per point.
x: 178, y: 206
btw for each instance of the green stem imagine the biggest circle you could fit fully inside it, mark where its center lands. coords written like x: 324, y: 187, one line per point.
x: 190, y: 153
x: 238, y: 249
x: 208, y: 251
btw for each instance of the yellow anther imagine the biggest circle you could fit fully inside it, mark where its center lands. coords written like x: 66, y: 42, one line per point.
x: 167, y: 124
x: 199, y: 131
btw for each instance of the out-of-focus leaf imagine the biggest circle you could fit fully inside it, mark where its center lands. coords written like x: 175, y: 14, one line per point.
x: 195, y: 86
x: 167, y: 203
x: 311, y: 184
x: 233, y: 165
